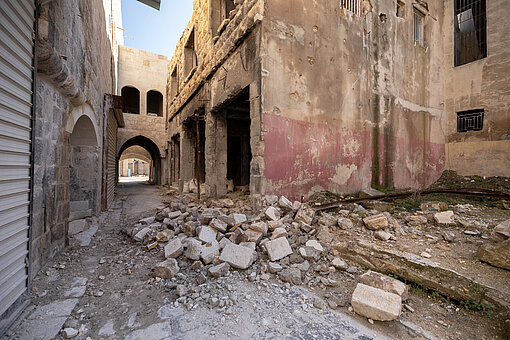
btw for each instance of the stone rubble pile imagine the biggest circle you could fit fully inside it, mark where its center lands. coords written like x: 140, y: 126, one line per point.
x: 283, y: 239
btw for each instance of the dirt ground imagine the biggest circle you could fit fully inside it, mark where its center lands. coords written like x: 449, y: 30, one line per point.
x: 122, y: 299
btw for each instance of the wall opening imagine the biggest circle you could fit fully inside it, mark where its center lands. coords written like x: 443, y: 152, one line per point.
x: 176, y: 160
x: 131, y: 99
x: 135, y: 165
x: 84, y: 169
x: 401, y: 9
x: 471, y: 120
x: 221, y: 11
x: 470, y: 31
x: 197, y: 146
x: 141, y: 148
x: 190, y: 55
x: 238, y: 140
x: 155, y: 103
x: 174, y: 83
x: 418, y: 25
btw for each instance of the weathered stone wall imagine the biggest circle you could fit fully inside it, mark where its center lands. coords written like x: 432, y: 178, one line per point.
x: 481, y: 84
x: 145, y: 71
x: 75, y: 71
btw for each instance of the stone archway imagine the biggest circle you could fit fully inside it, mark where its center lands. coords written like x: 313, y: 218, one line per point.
x: 153, y: 150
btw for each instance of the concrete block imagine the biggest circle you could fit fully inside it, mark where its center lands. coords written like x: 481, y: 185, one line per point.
x: 375, y: 303
x: 192, y: 248
x: 272, y: 213
x: 207, y: 234
x: 210, y: 251
x: 284, y: 203
x: 278, y: 249
x: 238, y: 256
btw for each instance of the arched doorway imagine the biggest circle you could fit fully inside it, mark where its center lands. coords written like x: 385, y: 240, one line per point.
x: 135, y: 165
x: 150, y: 153
x: 84, y: 169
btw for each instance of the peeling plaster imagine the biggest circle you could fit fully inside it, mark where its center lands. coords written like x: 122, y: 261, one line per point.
x: 343, y: 173
x: 418, y: 108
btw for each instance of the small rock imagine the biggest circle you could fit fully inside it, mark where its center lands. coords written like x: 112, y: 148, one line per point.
x: 425, y: 254
x: 314, y: 244
x: 345, y: 223
x: 472, y: 233
x: 148, y: 220
x: 210, y: 251
x: 339, y: 264
x: 220, y: 270
x: 284, y: 203
x: 253, y: 235
x: 279, y: 232
x: 274, y: 267
x: 207, y: 234
x: 239, y: 218
x: 69, y: 333
x: 272, y: 213
x: 218, y: 225
x: 271, y: 199
x: 165, y: 235
x: 261, y: 227
x: 309, y: 253
x: 141, y: 234
x: 305, y: 214
x: 166, y: 269
x: 382, y: 235
x: 328, y: 220
x: 291, y: 275
x: 445, y: 217
x: 448, y: 236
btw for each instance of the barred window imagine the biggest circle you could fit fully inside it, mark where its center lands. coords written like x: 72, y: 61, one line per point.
x: 471, y: 120
x: 470, y: 31
x: 353, y: 6
x: 418, y: 24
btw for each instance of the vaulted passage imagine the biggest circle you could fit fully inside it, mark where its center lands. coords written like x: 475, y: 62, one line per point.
x: 144, y: 152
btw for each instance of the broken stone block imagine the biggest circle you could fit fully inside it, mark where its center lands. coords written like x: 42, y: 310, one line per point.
x: 305, y: 214
x: 192, y: 248
x: 415, y: 220
x: 284, y: 203
x: 385, y: 283
x: 303, y: 266
x: 239, y: 218
x: 309, y: 253
x: 278, y: 232
x: 69, y: 333
x: 218, y: 225
x: 274, y: 267
x: 141, y: 234
x: 382, y: 235
x: 369, y: 192
x: 166, y: 269
x: 220, y: 270
x: 210, y: 251
x: 148, y: 220
x: 328, y: 220
x: 271, y: 199
x: 376, y: 222
x: 207, y: 234
x: 229, y: 220
x: 260, y: 227
x: 314, y: 244
x: 278, y: 249
x: 291, y: 275
x: 223, y: 242
x: 227, y: 203
x: 174, y: 214
x: 205, y: 219
x: 253, y: 235
x: 339, y: 264
x: 238, y: 256
x: 324, y: 235
x: 272, y: 225
x: 496, y: 254
x: 445, y: 217
x: 189, y: 228
x: 448, y: 236
x: 345, y: 223
x: 272, y: 213
x: 181, y: 290
x: 77, y: 226
x: 165, y: 235
x: 173, y: 249
x: 375, y: 303
x: 501, y: 232
x: 251, y: 245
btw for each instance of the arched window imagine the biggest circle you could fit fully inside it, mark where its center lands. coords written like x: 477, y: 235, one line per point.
x: 131, y: 98
x: 155, y: 103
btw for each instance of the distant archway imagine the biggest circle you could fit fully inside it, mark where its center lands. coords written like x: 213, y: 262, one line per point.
x: 131, y: 99
x: 134, y: 164
x: 153, y: 151
x: 155, y: 103
x: 84, y: 169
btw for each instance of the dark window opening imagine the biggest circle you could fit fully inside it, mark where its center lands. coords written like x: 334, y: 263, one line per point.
x: 238, y: 140
x: 222, y: 10
x: 418, y: 24
x: 131, y: 98
x: 174, y: 84
x: 401, y: 10
x: 470, y: 31
x: 155, y: 103
x: 190, y: 55
x: 471, y: 120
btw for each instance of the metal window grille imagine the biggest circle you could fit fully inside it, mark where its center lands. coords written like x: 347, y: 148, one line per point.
x: 470, y: 31
x: 471, y: 120
x: 353, y: 6
x: 418, y: 27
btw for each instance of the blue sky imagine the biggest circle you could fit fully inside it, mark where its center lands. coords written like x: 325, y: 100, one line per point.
x: 155, y: 31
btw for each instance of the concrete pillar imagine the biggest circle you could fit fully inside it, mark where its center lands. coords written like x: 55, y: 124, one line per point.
x: 216, y: 153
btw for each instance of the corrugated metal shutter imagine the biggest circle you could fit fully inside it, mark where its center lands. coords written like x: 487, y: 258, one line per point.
x: 111, y: 158
x: 16, y: 65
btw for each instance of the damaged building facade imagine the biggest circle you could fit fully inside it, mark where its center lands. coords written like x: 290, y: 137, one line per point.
x: 297, y: 97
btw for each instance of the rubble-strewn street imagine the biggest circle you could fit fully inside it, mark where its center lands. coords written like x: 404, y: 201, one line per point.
x: 163, y: 266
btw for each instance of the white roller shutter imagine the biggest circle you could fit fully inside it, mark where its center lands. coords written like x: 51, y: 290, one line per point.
x: 16, y: 77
